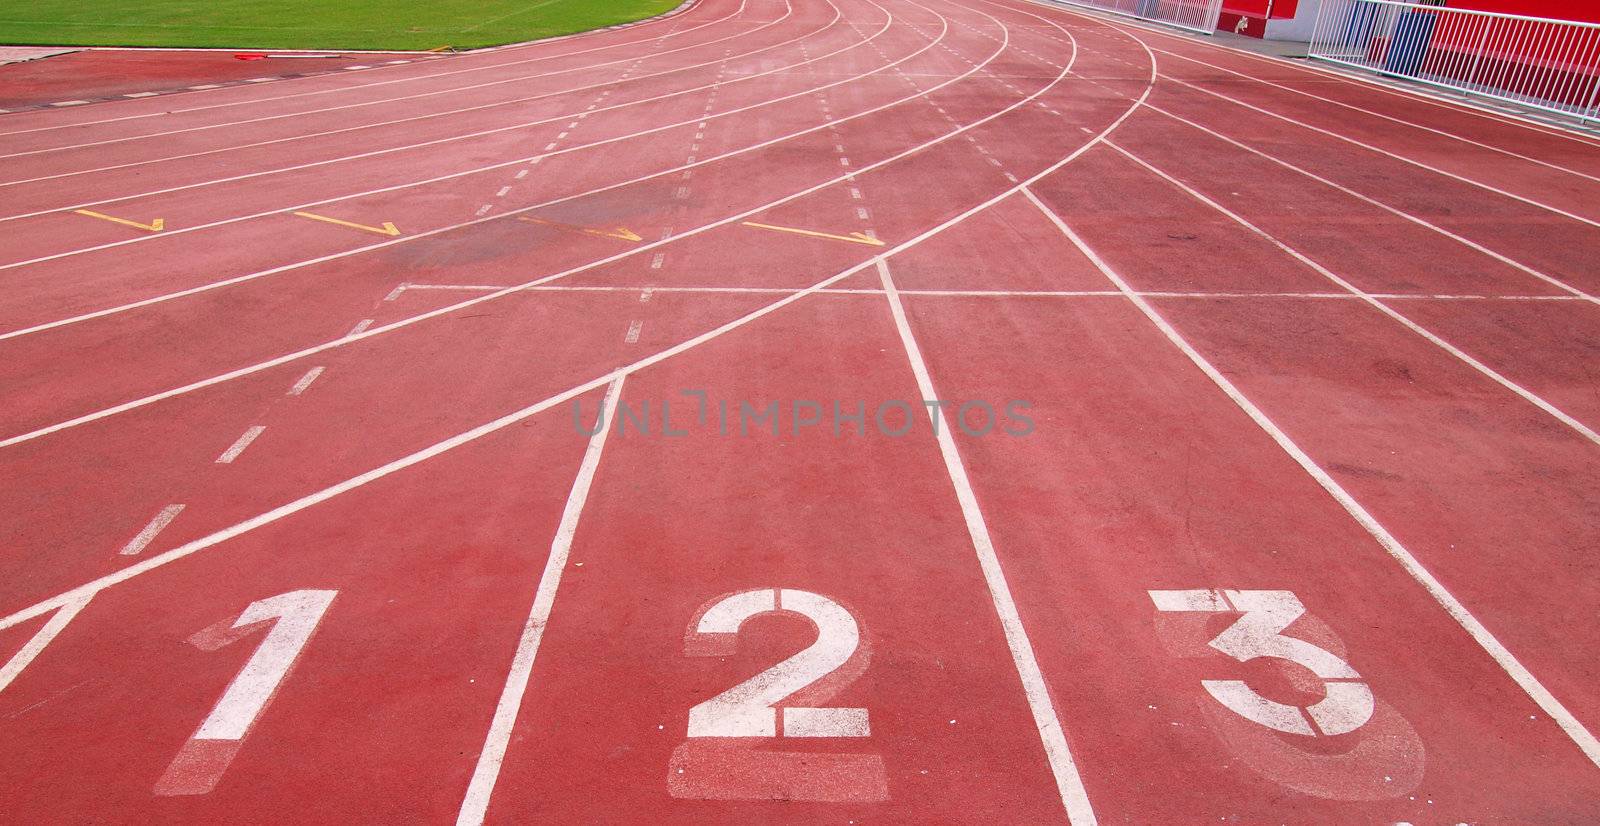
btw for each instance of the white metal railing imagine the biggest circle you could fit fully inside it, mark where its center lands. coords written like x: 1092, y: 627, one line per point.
x: 1549, y: 64
x: 1196, y: 15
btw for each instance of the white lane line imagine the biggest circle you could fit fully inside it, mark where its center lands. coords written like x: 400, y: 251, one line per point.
x: 1391, y: 118
x: 476, y: 803
x: 361, y: 327
x: 305, y: 381
x: 1452, y: 606
x: 117, y: 577
x: 1466, y: 242
x: 988, y: 293
x: 632, y: 336
x: 325, y: 133
x: 238, y: 446
x: 1396, y: 156
x: 1068, y: 782
x: 487, y: 67
x: 156, y: 526
x: 42, y: 638
x: 1411, y: 93
x: 415, y: 183
x: 282, y: 511
x: 70, y: 103
x: 667, y: 236
x: 141, y: 94
x: 204, y: 86
x: 1484, y: 369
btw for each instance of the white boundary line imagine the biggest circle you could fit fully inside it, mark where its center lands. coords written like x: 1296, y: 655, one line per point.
x: 1386, y: 153
x: 347, y: 88
x: 358, y: 335
x: 125, y: 574
x: 487, y: 771
x: 1421, y: 222
x: 521, y: 79
x: 1069, y: 783
x: 1526, y: 394
x: 1341, y: 104
x: 436, y: 179
x: 380, y: 124
x: 1416, y: 95
x: 989, y: 293
x: 40, y: 639
x: 588, y: 112
x: 1457, y: 611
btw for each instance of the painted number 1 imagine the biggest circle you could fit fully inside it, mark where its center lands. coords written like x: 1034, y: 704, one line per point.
x: 202, y: 760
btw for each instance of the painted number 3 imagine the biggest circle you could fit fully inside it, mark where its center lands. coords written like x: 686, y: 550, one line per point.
x: 1348, y: 704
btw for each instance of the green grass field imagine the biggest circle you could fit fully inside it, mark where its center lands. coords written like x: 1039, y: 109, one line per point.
x: 310, y: 24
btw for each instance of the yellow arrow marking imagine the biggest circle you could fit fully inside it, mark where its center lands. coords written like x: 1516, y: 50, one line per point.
x: 386, y: 229
x: 854, y: 237
x: 620, y: 233
x: 157, y: 225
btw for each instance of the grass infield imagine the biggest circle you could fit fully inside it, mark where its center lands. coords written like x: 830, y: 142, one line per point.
x: 310, y: 24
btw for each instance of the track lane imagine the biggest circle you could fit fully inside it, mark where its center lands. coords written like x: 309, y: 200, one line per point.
x: 1089, y: 516
x: 464, y: 64
x: 201, y: 141
x: 1547, y: 143
x: 206, y: 408
x: 406, y: 159
x: 113, y: 238
x: 867, y: 521
x: 816, y: 128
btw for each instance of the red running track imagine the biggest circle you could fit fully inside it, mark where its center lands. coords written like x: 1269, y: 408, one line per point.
x: 581, y: 457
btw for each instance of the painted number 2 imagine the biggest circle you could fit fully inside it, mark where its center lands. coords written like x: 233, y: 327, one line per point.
x: 749, y: 708
x: 742, y: 744
x: 206, y: 755
x: 1348, y: 704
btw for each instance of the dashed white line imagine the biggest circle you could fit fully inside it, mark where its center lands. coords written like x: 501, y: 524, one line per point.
x: 305, y: 381
x: 633, y: 332
x: 156, y: 526
x: 238, y: 446
x: 361, y: 327
x: 502, y: 192
x: 658, y: 260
